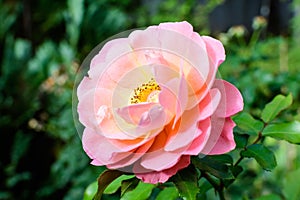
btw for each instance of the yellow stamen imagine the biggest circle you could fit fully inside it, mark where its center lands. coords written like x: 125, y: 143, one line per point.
x: 147, y: 92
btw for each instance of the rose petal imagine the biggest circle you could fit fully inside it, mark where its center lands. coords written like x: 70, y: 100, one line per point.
x: 231, y: 99
x: 215, y: 50
x: 199, y: 143
x: 209, y: 104
x: 184, y: 28
x: 155, y: 177
x: 90, y: 103
x: 217, y: 127
x: 111, y: 50
x: 157, y: 158
x: 95, y: 145
x: 154, y: 119
x: 95, y: 112
x: 133, y: 157
x: 185, y: 131
x: 226, y: 141
x: 86, y: 85
x: 134, y: 112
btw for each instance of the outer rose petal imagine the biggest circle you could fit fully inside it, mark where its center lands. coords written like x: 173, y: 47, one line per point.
x: 226, y: 141
x: 111, y: 50
x: 157, y: 158
x: 90, y: 103
x: 86, y: 85
x: 217, y: 125
x: 95, y: 144
x: 231, y: 99
x: 162, y: 176
x: 184, y: 28
x: 133, y: 157
x: 215, y: 50
x: 199, y: 143
x: 209, y: 104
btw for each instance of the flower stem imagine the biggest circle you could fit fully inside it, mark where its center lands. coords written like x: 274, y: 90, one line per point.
x: 218, y: 187
x: 259, y: 137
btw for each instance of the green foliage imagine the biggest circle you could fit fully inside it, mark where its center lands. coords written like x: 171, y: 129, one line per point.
x: 129, y: 185
x: 106, y: 178
x: 291, y: 187
x: 215, y: 165
x: 116, y: 184
x: 186, y: 183
x: 90, y: 191
x: 141, y: 192
x: 262, y: 155
x: 273, y: 108
x: 248, y: 124
x: 168, y: 193
x: 284, y: 131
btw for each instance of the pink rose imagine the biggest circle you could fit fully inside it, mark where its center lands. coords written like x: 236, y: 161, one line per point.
x: 151, y: 100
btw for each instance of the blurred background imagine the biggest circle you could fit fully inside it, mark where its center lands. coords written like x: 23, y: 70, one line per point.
x: 43, y: 43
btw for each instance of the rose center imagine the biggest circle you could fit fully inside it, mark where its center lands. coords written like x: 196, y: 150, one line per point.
x: 147, y: 92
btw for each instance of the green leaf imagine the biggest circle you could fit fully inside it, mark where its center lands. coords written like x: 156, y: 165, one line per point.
x: 265, y: 158
x: 204, y: 186
x: 141, y: 192
x: 90, y: 191
x: 247, y: 123
x: 284, y: 131
x: 241, y: 140
x: 104, y: 180
x: 169, y: 193
x: 116, y: 184
x: 224, y: 158
x: 236, y: 170
x: 269, y: 197
x: 186, y: 182
x: 213, y: 166
x: 129, y: 185
x: 291, y: 186
x: 273, y: 108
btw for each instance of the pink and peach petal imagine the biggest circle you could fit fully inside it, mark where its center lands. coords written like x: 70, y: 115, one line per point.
x: 185, y: 131
x: 215, y: 50
x: 111, y: 51
x: 168, y: 100
x: 95, y: 144
x: 226, y: 141
x: 155, y: 177
x: 137, y: 154
x: 182, y: 95
x: 209, y: 104
x: 157, y: 158
x: 231, y: 101
x: 97, y: 162
x: 154, y: 119
x: 180, y: 27
x: 134, y: 112
x: 89, y: 105
x: 217, y: 125
x: 185, y: 29
x: 197, y: 145
x: 112, y: 129
x: 86, y: 85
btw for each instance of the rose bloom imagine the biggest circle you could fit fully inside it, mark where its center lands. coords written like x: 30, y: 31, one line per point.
x: 152, y: 100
